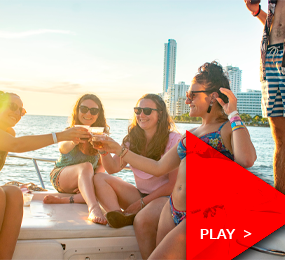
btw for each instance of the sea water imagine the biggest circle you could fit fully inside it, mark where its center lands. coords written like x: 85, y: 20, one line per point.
x: 23, y: 170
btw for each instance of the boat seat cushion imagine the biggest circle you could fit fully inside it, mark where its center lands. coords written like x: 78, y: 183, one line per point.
x: 55, y: 221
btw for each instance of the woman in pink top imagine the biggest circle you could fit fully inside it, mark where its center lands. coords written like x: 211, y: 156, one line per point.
x: 150, y: 134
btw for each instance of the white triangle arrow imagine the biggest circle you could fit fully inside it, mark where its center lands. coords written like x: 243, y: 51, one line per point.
x: 248, y: 233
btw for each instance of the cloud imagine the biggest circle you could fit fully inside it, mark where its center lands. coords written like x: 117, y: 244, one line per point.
x: 12, y: 35
x: 66, y: 88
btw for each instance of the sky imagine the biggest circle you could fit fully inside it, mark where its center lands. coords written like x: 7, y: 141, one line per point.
x: 54, y: 51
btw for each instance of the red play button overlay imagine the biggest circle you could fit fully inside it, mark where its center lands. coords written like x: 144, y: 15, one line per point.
x: 229, y: 209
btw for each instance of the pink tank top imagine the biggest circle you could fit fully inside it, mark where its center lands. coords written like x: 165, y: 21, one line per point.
x: 147, y: 183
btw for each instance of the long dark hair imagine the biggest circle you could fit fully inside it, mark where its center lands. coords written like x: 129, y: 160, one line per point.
x: 212, y: 77
x: 136, y: 136
x: 101, y: 120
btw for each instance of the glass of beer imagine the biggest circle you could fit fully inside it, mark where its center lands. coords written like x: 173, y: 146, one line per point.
x: 98, y: 135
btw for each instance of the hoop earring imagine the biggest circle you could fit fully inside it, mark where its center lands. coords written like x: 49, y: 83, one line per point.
x: 210, y: 107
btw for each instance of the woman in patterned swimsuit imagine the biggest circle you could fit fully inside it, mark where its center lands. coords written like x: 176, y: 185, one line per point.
x: 75, y: 169
x: 11, y: 200
x: 210, y: 98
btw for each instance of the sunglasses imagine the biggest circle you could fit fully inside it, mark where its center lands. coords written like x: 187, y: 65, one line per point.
x: 146, y: 110
x: 191, y: 94
x: 93, y: 110
x: 14, y: 107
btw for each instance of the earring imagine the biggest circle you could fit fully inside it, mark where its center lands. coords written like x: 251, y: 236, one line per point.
x: 210, y: 107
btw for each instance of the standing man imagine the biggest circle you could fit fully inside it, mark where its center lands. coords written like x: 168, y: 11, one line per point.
x: 272, y: 76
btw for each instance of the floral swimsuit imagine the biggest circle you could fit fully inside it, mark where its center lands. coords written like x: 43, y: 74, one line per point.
x: 213, y: 139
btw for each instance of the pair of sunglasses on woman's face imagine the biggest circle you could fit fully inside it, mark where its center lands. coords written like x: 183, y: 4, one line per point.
x: 191, y: 94
x: 14, y: 107
x: 93, y: 110
x: 146, y: 110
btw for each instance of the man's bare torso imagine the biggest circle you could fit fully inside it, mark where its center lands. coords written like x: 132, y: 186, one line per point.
x: 277, y: 34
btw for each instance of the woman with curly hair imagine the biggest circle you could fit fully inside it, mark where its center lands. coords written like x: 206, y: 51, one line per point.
x: 210, y: 98
x: 77, y: 164
x: 11, y: 200
x: 150, y: 134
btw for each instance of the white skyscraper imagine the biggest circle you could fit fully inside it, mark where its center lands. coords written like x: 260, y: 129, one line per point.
x: 169, y: 64
x: 234, y: 76
x: 174, y: 97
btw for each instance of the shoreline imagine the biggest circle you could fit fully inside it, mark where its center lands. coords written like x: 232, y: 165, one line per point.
x: 199, y: 122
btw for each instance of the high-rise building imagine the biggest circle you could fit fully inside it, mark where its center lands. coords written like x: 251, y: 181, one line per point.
x: 174, y: 98
x: 169, y: 64
x: 249, y: 102
x: 234, y: 76
x: 181, y: 107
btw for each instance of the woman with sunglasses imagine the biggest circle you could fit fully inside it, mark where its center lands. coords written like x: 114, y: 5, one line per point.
x: 150, y: 134
x: 74, y: 170
x: 11, y: 201
x: 210, y: 98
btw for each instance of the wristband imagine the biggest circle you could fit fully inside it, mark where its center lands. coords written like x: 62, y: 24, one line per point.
x: 257, y: 12
x: 235, y: 118
x: 237, y: 125
x: 234, y: 113
x: 54, y: 137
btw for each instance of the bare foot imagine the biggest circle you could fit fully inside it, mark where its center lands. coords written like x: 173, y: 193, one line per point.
x: 50, y: 199
x: 96, y: 216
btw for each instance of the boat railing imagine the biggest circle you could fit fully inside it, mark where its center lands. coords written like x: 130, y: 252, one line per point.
x: 35, y: 159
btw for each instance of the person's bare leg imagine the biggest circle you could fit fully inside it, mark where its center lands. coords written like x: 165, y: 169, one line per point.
x: 75, y: 198
x: 81, y: 176
x: 114, y: 193
x: 146, y: 224
x: 277, y: 125
x: 165, y: 224
x: 172, y: 245
x: 11, y: 214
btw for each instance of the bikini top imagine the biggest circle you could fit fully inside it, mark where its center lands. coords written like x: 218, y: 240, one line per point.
x: 213, y: 139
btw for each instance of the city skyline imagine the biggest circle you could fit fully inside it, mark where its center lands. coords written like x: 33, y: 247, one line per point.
x: 51, y: 52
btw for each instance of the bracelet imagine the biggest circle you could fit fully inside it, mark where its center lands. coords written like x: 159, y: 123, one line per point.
x: 103, y: 152
x: 142, y: 203
x: 122, y: 156
x: 54, y: 137
x: 257, y: 12
x: 237, y: 125
x: 234, y: 113
x: 122, y: 151
x: 235, y: 118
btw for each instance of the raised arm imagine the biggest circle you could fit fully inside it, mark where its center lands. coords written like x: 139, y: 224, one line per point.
x: 254, y: 9
x: 243, y: 149
x: 167, y: 163
x: 21, y: 144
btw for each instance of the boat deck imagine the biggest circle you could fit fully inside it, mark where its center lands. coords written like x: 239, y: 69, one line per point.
x: 62, y: 231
